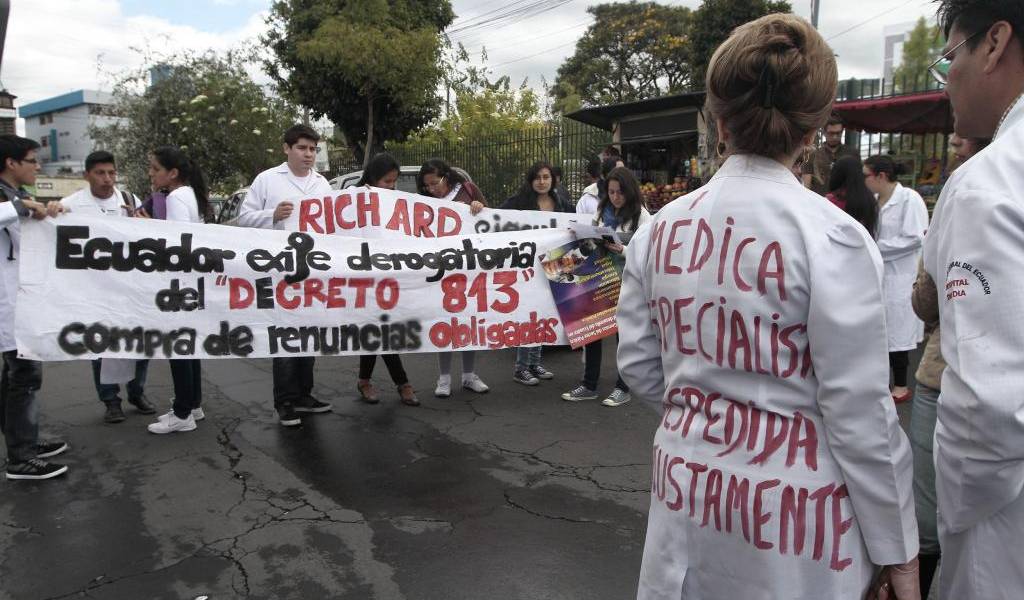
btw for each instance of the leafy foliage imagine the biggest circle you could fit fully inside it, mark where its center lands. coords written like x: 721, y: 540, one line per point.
x: 208, y: 105
x: 633, y: 50
x: 370, y: 66
x: 715, y: 20
x: 920, y: 49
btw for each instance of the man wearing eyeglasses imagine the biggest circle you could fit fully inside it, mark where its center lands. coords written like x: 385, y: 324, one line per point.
x: 975, y: 253
x: 817, y: 168
x: 20, y: 378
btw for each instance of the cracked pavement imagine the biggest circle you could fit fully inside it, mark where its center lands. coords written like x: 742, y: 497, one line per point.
x: 511, y: 494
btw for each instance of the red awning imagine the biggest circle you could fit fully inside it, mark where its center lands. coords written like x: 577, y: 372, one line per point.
x: 924, y: 112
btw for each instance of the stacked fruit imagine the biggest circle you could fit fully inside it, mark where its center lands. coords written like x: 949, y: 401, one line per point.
x: 657, y: 196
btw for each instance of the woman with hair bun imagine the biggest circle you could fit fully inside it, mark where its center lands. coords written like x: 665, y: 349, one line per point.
x: 753, y: 312
x: 902, y: 222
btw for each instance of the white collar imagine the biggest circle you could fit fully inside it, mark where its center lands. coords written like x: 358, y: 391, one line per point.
x: 1014, y: 114
x: 753, y: 165
x: 283, y: 168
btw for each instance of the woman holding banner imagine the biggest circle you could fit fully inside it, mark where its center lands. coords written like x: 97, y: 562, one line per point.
x: 754, y: 313
x: 537, y: 193
x: 622, y: 209
x: 382, y: 172
x: 188, y: 201
x: 440, y: 180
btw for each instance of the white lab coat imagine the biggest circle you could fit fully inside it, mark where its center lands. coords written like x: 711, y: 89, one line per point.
x: 270, y: 188
x: 833, y: 305
x: 587, y: 204
x: 10, y: 235
x: 902, y: 223
x: 975, y: 253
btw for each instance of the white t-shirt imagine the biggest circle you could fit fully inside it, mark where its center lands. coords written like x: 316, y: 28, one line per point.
x: 182, y: 206
x: 83, y: 202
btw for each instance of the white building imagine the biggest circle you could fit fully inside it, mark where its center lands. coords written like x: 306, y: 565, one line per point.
x: 61, y: 126
x: 893, y: 37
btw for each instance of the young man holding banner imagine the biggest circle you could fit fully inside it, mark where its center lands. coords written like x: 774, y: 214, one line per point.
x: 266, y: 206
x: 102, y: 198
x: 21, y: 378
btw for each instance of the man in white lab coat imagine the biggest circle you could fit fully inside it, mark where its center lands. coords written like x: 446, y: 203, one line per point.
x: 102, y: 198
x: 267, y: 204
x: 974, y: 251
x: 21, y: 378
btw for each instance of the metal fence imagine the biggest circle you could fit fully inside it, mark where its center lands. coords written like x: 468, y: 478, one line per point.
x: 497, y: 160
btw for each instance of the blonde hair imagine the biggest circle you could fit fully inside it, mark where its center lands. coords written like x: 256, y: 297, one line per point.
x: 771, y: 83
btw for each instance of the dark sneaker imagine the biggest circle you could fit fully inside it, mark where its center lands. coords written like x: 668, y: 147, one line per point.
x: 287, y: 416
x: 143, y: 405
x: 525, y: 377
x: 48, y: 449
x: 114, y: 413
x: 309, y: 404
x: 34, y: 468
x: 579, y: 394
x: 541, y: 373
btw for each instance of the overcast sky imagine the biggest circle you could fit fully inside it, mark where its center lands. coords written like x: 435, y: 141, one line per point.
x: 56, y: 46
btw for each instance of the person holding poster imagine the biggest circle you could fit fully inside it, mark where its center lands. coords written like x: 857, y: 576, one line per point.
x: 537, y: 193
x: 974, y: 252
x: 21, y: 378
x: 266, y: 206
x: 438, y: 179
x: 102, y: 198
x: 383, y: 171
x: 188, y: 201
x: 902, y: 222
x: 621, y: 209
x: 754, y: 312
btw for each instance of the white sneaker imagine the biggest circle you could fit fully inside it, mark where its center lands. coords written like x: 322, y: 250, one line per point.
x: 444, y: 386
x: 197, y: 414
x: 616, y: 398
x: 471, y: 381
x: 172, y: 424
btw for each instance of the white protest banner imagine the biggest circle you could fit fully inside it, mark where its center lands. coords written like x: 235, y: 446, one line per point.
x: 374, y: 212
x: 128, y: 288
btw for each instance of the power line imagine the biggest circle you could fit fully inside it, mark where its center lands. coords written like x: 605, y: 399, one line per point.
x: 510, y: 16
x: 866, y: 21
x: 530, y: 39
x: 508, y: 62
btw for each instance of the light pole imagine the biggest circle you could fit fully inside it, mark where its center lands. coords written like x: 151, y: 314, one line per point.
x: 815, y: 6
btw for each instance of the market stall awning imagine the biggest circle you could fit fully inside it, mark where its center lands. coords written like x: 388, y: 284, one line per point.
x: 608, y: 115
x: 924, y: 112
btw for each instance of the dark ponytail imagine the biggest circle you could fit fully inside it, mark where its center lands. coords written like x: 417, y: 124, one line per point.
x: 883, y: 163
x: 848, y: 176
x: 189, y: 173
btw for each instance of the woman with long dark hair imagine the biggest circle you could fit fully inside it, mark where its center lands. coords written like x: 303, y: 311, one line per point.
x: 537, y: 193
x: 902, y: 222
x: 848, y: 191
x: 749, y: 308
x: 438, y: 179
x: 188, y: 201
x: 382, y: 171
x: 621, y: 209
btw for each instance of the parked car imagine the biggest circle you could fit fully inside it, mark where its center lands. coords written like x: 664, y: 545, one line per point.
x: 406, y: 179
x: 230, y: 207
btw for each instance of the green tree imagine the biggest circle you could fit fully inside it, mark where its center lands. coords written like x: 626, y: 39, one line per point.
x: 920, y: 49
x: 370, y: 66
x: 715, y: 20
x: 633, y: 50
x: 206, y: 104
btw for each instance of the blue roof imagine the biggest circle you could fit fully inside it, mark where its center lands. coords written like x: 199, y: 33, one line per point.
x: 68, y: 100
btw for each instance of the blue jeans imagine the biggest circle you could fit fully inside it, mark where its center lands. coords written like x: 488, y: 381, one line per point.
x: 527, y: 356
x: 108, y: 391
x: 19, y: 412
x: 186, y: 374
x: 922, y: 436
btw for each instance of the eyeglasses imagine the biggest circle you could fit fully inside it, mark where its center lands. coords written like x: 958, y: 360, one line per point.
x: 33, y: 161
x: 940, y: 68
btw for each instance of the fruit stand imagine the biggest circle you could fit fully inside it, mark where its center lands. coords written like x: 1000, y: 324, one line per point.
x: 659, y: 140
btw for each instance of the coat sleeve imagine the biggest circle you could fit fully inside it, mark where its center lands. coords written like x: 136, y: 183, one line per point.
x: 846, y: 331
x: 909, y: 238
x: 980, y: 435
x: 254, y: 211
x: 639, y: 353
